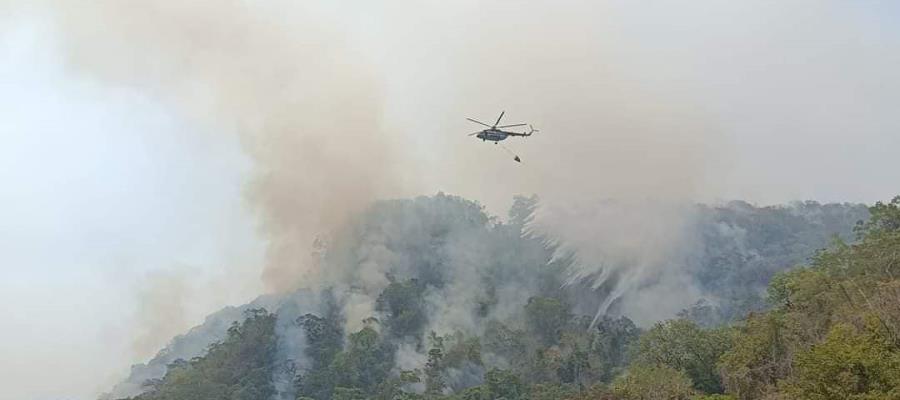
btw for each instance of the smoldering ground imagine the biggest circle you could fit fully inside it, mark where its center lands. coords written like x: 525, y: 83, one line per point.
x: 341, y: 104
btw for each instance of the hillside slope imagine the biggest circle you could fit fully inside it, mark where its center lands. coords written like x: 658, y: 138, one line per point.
x: 433, y: 296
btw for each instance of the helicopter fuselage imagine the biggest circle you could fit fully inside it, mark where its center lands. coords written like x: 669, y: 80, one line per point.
x: 494, y: 135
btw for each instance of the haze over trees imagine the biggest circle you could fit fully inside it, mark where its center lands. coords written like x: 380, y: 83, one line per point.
x: 431, y: 298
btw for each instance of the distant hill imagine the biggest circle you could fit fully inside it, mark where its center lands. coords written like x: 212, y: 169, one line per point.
x: 432, y: 295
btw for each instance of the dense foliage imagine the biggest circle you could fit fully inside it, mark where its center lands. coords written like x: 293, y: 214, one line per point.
x: 828, y: 330
x: 237, y: 368
x: 833, y: 333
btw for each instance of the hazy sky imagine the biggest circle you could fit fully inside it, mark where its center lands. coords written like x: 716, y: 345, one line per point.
x: 113, y: 196
x: 102, y: 188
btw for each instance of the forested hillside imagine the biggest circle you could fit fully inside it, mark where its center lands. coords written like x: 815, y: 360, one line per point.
x: 431, y: 298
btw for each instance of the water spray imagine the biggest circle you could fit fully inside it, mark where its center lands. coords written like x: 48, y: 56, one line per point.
x: 515, y: 157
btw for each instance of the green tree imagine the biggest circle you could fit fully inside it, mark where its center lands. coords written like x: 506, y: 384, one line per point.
x: 365, y: 363
x: 759, y: 358
x: 653, y: 382
x: 884, y: 217
x: 238, y: 368
x: 573, y: 367
x: 434, y: 382
x: 506, y: 342
x: 480, y: 392
x: 684, y: 346
x: 403, y: 304
x: 461, y: 349
x: 504, y: 384
x: 342, y: 393
x: 614, y: 337
x: 847, y: 365
x: 833, y: 332
x: 550, y: 391
x: 546, y: 316
x: 498, y: 384
x: 392, y: 388
x: 596, y: 392
x: 325, y: 340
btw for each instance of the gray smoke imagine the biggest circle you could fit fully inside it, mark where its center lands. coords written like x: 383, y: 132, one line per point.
x: 338, y: 105
x: 639, y: 253
x: 307, y: 107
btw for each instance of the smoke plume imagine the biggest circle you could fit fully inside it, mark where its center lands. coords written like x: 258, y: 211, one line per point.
x: 306, y: 106
x: 320, y: 117
x: 339, y: 104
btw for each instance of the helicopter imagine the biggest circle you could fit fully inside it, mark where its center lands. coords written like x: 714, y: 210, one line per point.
x: 496, y: 133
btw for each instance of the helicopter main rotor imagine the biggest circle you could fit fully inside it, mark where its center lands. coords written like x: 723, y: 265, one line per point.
x: 493, y: 127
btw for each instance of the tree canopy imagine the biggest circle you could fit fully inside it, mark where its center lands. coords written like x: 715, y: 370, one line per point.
x: 829, y: 329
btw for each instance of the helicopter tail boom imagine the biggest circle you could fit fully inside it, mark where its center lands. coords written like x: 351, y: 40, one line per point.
x: 529, y: 133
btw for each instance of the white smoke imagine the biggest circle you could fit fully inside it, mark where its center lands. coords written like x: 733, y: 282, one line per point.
x: 637, y: 254
x: 338, y: 104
